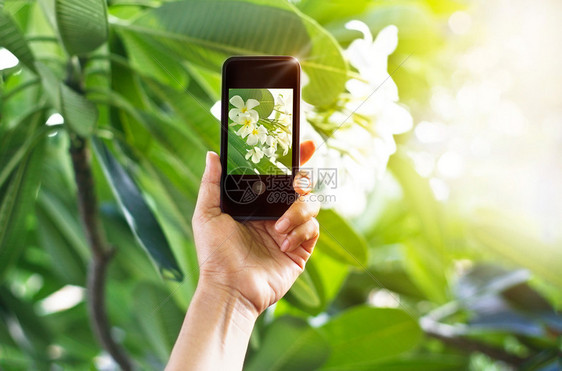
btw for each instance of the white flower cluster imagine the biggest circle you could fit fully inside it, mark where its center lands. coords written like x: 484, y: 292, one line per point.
x: 263, y: 135
x: 359, y: 134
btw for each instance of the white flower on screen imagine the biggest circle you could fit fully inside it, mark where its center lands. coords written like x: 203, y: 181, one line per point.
x: 242, y: 107
x: 255, y: 154
x: 258, y: 134
x: 270, y: 151
x: 284, y: 140
x: 248, y: 125
x: 285, y: 120
x: 281, y: 105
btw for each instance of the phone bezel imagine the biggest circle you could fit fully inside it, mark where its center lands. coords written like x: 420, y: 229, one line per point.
x: 256, y: 72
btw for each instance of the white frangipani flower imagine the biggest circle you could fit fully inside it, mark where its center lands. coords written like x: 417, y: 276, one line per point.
x: 255, y: 154
x: 285, y: 120
x: 271, y: 141
x: 258, y: 134
x: 248, y: 125
x: 363, y: 139
x: 242, y: 107
x: 284, y: 140
x: 281, y: 105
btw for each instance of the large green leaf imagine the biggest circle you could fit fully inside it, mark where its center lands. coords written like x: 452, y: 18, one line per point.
x: 365, y: 335
x: 196, y: 120
x: 79, y: 113
x: 18, y: 141
x: 12, y: 39
x: 28, y: 329
x: 60, y: 234
x: 160, y: 319
x: 307, y: 293
x: 152, y: 60
x: 339, y: 240
x: 328, y: 11
x: 425, y: 362
x: 290, y: 344
x: 207, y: 32
x: 141, y: 220
x: 17, y: 197
x: 82, y: 24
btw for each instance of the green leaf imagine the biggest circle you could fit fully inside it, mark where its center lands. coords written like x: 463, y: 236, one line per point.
x: 159, y: 318
x: 196, y: 119
x: 140, y: 218
x: 16, y: 142
x: 289, y: 344
x: 328, y: 11
x: 207, y: 32
x: 79, y: 113
x: 153, y: 60
x: 29, y: 330
x: 12, y: 39
x: 82, y: 24
x: 51, y: 84
x: 365, y: 335
x: 60, y: 234
x: 425, y: 362
x: 339, y: 240
x: 17, y: 197
x: 307, y: 293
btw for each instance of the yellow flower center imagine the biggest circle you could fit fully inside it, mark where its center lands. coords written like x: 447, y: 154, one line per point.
x: 244, y: 109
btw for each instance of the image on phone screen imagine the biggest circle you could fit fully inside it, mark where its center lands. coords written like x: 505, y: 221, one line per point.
x: 260, y: 123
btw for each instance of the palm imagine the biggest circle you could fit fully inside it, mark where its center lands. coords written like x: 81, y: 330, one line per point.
x: 248, y: 258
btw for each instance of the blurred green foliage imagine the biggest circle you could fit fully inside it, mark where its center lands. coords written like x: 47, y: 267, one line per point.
x: 139, y: 78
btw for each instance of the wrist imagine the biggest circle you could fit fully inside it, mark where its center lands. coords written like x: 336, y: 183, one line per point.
x: 228, y: 299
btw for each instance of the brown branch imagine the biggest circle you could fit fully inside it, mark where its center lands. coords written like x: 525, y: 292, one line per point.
x: 101, y: 253
x: 469, y: 346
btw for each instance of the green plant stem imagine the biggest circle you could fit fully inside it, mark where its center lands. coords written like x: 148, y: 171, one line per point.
x: 101, y: 252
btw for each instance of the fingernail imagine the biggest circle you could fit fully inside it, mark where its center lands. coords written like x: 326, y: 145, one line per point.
x: 208, y: 158
x: 285, y: 245
x: 282, y: 226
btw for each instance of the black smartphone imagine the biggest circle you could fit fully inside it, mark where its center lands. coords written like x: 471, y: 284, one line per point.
x: 259, y: 136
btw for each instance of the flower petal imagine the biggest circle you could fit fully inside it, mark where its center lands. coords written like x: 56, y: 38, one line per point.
x: 233, y: 114
x: 253, y: 115
x: 237, y: 101
x: 251, y: 103
x: 252, y: 140
x: 387, y: 40
x: 361, y: 27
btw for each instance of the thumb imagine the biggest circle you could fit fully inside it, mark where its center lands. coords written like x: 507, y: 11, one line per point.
x: 208, y: 201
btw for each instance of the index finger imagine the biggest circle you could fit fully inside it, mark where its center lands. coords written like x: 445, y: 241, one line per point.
x: 301, y: 211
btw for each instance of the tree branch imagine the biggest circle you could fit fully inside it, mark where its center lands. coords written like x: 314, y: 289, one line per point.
x: 447, y: 335
x: 101, y: 253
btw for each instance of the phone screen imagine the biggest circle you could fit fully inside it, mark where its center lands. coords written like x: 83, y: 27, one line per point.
x: 260, y: 123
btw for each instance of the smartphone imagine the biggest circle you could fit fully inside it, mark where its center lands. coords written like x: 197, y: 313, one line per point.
x: 259, y: 135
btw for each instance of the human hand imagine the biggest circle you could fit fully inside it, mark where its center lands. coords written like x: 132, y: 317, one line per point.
x: 258, y: 261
